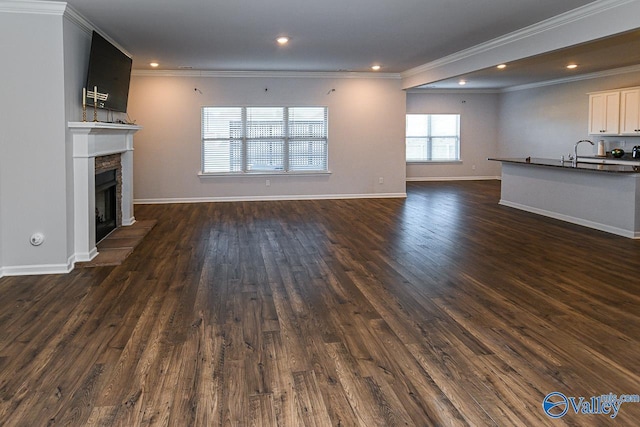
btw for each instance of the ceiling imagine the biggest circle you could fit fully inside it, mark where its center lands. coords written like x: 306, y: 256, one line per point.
x: 615, y: 52
x: 344, y: 35
x: 326, y: 35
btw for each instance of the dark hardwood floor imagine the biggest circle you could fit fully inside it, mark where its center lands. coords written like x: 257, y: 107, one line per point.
x: 441, y: 309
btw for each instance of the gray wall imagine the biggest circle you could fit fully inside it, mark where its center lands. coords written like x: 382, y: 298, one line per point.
x: 543, y: 121
x: 478, y: 134
x: 547, y: 121
x: 38, y: 98
x: 366, y: 136
x: 33, y: 172
x: 77, y: 44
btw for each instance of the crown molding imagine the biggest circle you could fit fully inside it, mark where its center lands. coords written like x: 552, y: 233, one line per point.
x: 577, y: 14
x: 596, y: 75
x: 264, y: 74
x: 87, y: 26
x: 32, y: 6
x: 57, y: 8
x: 80, y: 21
x: 452, y: 91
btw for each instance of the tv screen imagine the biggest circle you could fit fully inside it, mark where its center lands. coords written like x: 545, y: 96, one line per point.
x: 109, y: 71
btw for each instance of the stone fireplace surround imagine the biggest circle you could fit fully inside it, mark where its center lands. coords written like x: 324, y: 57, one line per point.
x: 91, y: 140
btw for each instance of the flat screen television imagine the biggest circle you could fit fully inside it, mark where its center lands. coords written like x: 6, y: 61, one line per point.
x: 109, y: 71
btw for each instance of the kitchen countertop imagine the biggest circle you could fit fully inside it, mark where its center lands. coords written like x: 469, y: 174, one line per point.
x: 568, y: 164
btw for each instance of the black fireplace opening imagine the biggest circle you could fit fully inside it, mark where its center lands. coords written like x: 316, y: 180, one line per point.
x: 106, y: 213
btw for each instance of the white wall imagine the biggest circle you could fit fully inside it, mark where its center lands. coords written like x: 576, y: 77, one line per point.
x: 548, y: 121
x: 478, y: 134
x: 366, y: 135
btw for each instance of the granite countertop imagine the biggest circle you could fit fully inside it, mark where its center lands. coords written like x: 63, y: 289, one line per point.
x: 568, y: 164
x: 627, y: 157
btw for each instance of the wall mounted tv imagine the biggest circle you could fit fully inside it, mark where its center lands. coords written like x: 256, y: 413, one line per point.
x: 109, y: 71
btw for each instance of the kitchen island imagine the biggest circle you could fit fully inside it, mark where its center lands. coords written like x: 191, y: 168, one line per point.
x: 601, y: 196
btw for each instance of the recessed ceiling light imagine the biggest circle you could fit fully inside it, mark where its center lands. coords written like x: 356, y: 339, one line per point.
x: 572, y: 66
x: 154, y: 64
x: 462, y: 82
x: 283, y: 40
x: 501, y: 66
x: 375, y: 67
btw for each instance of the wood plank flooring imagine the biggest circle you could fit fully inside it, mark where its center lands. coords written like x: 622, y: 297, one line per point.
x: 441, y: 309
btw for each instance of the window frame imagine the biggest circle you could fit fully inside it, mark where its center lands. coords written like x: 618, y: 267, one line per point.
x: 429, y: 137
x: 287, y: 138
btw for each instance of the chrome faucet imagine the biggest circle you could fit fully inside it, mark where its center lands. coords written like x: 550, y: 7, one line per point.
x: 575, y: 149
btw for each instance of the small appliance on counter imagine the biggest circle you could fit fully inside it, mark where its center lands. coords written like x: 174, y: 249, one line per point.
x: 617, y: 152
x: 636, y: 152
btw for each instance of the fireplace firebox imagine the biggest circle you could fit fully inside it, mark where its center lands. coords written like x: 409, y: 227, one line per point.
x: 106, y: 204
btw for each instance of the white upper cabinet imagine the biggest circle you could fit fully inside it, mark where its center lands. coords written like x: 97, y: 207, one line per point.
x: 604, y: 113
x: 630, y: 111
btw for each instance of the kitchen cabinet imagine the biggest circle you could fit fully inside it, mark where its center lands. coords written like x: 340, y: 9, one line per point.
x: 630, y: 111
x: 604, y: 113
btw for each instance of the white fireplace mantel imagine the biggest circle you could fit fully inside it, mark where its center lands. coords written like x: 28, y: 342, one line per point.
x: 91, y: 140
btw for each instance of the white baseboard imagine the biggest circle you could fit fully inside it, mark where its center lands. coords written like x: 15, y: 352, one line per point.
x: 268, y: 198
x: 129, y: 221
x: 28, y: 270
x: 573, y: 220
x: 84, y: 256
x: 451, y: 178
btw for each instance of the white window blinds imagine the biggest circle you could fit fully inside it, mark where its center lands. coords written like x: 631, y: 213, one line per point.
x: 307, y: 138
x: 264, y: 139
x: 222, y: 139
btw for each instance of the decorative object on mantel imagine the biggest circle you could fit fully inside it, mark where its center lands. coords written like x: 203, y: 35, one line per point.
x: 97, y: 96
x: 84, y: 104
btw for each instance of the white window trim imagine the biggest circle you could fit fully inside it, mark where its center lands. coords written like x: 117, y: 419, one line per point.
x: 261, y: 174
x: 437, y: 162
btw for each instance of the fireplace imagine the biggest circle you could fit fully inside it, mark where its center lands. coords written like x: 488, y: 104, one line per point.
x: 106, y: 204
x: 94, y: 143
x: 108, y: 194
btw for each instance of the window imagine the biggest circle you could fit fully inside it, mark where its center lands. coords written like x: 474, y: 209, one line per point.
x: 264, y: 139
x: 433, y: 137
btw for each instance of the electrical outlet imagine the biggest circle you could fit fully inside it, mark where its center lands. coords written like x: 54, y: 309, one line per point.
x: 473, y: 167
x: 37, y: 239
x: 381, y: 180
x: 268, y: 183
